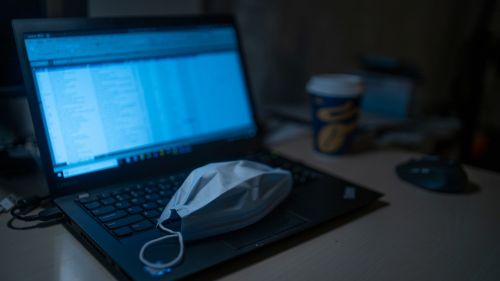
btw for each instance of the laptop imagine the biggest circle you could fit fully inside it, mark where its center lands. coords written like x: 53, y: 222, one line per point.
x: 124, y: 109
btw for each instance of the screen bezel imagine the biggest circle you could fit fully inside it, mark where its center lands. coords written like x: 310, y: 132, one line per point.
x: 201, y: 154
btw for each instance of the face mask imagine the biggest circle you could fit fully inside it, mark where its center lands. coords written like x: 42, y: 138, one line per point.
x: 221, y: 197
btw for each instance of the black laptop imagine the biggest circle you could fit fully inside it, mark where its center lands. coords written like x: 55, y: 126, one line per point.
x: 124, y: 109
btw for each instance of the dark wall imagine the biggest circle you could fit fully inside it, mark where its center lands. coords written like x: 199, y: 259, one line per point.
x: 287, y: 41
x: 454, y: 44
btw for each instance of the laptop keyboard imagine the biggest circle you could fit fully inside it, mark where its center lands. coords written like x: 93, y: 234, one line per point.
x: 135, y: 208
x: 300, y: 173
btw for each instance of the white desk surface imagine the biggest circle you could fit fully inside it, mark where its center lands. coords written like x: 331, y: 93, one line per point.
x: 419, y: 235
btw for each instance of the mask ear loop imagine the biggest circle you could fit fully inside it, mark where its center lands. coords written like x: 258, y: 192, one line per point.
x: 171, y: 263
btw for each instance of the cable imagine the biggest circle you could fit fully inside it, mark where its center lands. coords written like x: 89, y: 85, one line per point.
x: 10, y: 224
x: 25, y: 206
x: 47, y: 216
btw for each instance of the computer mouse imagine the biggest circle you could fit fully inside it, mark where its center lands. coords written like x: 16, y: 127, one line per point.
x: 434, y: 173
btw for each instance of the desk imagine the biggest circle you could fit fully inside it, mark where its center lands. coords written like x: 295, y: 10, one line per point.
x: 419, y: 235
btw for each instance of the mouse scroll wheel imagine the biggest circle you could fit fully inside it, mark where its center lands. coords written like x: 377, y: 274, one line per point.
x: 420, y: 170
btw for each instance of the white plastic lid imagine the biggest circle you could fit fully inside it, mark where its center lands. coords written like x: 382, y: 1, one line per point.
x: 335, y: 85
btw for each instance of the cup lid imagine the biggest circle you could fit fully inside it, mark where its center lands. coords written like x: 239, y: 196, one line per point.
x: 338, y: 85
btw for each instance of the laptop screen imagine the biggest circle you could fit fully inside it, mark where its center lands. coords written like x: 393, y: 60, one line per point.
x: 112, y: 98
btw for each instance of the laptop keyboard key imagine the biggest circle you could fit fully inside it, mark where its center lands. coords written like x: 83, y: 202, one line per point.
x: 165, y: 193
x: 93, y: 205
x: 124, y: 231
x: 104, y: 195
x: 162, y: 202
x: 122, y: 197
x: 124, y: 221
x: 135, y: 209
x: 137, y: 193
x: 143, y: 225
x: 122, y: 204
x: 150, y: 205
x: 151, y: 214
x: 152, y: 197
x: 103, y: 210
x: 151, y: 189
x: 108, y: 201
x: 85, y: 198
x: 112, y: 216
x: 137, y: 201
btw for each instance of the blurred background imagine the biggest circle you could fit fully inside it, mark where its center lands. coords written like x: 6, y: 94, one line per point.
x: 431, y: 68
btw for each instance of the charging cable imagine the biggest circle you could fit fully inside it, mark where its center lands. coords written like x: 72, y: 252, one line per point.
x: 23, y: 208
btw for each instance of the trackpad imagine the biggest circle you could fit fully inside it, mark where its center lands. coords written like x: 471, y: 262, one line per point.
x: 274, y: 224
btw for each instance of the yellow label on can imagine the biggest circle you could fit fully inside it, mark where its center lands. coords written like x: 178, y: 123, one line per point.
x: 332, y: 136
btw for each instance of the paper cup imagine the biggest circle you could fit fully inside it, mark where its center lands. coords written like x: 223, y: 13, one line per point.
x: 335, y: 101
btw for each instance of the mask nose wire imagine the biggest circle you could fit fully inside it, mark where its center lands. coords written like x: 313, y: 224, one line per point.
x: 158, y: 265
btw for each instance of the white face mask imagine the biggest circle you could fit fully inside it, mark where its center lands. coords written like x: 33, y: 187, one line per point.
x: 219, y: 198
